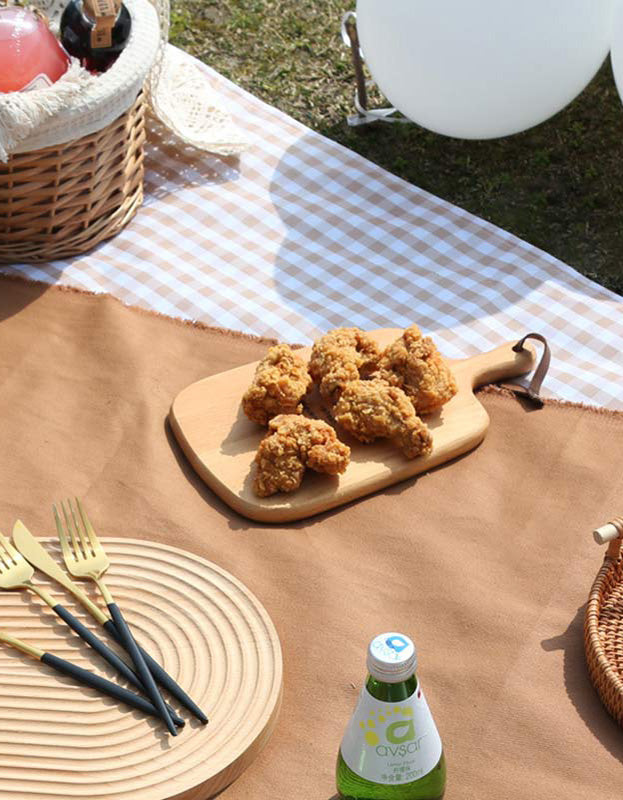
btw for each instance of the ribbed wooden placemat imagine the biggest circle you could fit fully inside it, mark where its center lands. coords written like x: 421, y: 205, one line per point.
x: 61, y: 740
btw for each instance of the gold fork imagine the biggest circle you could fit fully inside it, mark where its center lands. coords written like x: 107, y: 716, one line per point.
x: 16, y: 574
x: 85, y: 558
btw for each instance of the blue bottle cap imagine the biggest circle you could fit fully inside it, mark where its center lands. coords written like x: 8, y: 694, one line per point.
x: 391, y: 657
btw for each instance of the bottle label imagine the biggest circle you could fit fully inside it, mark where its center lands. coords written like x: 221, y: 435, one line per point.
x: 104, y: 12
x: 391, y: 743
x: 40, y: 81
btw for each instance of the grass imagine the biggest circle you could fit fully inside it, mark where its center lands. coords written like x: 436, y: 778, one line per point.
x: 559, y: 186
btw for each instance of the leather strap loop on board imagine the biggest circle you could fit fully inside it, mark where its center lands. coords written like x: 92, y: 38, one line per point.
x: 532, y: 391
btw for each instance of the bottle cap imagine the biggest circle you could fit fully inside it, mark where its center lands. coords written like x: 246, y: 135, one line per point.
x: 391, y: 657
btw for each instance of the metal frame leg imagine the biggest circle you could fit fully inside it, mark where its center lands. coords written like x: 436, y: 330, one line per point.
x: 364, y: 116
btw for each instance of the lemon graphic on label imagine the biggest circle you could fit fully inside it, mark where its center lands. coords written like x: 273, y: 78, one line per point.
x: 397, y: 731
x: 371, y: 736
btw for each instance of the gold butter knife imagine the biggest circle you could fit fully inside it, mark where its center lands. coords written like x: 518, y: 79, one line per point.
x: 34, y: 552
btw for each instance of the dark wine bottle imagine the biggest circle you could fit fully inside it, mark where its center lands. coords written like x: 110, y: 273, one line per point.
x: 95, y: 31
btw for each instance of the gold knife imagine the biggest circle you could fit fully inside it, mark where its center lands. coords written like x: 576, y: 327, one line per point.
x: 34, y: 552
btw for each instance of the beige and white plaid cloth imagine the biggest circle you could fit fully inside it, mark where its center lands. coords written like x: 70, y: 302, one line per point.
x: 301, y: 235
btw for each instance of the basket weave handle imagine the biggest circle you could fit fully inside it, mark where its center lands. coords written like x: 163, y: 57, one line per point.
x: 611, y: 533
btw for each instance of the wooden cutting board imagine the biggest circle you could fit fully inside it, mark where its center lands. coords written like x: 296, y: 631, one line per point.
x: 220, y: 442
x: 61, y: 741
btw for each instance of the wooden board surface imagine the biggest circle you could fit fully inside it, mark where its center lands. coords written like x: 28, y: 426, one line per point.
x: 61, y: 741
x: 220, y: 442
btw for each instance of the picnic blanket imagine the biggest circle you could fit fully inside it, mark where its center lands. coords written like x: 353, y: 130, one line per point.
x: 486, y: 562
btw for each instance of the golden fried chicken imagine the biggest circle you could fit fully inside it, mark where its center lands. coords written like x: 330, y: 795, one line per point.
x: 292, y: 444
x: 413, y: 364
x: 341, y: 356
x: 372, y: 409
x: 280, y: 382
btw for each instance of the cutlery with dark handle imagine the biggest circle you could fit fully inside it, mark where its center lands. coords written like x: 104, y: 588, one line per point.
x: 162, y: 677
x: 85, y: 558
x: 82, y: 675
x: 38, y: 556
x: 16, y: 574
x: 111, y: 657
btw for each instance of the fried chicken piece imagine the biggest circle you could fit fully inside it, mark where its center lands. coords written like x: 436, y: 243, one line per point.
x: 372, y: 409
x: 413, y: 364
x: 340, y: 356
x: 292, y: 444
x: 280, y: 382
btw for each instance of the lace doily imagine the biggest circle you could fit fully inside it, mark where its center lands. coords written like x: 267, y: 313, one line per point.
x: 183, y: 99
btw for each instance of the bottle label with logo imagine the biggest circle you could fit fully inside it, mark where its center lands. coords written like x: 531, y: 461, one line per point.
x: 391, y: 743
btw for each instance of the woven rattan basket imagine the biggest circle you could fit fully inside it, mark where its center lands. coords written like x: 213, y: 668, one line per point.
x: 74, y: 174
x: 603, y: 623
x: 63, y: 200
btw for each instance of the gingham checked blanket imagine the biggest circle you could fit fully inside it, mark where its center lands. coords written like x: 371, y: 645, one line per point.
x: 302, y: 235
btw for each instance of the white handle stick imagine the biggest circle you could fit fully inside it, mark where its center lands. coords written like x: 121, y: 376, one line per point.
x: 606, y: 533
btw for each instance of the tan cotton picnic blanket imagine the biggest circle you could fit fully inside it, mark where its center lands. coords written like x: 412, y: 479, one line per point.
x: 486, y: 562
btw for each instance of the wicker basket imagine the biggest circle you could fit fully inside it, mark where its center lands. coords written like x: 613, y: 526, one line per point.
x: 74, y: 174
x: 603, y: 623
x: 63, y: 200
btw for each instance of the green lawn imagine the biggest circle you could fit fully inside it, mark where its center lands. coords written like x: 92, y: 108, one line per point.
x: 558, y: 186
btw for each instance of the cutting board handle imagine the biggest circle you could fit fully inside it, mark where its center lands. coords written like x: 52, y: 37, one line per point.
x: 501, y: 363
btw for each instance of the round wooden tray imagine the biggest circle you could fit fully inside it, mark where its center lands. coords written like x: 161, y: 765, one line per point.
x: 60, y: 740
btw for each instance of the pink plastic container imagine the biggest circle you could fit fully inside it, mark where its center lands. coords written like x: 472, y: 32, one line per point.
x: 30, y: 55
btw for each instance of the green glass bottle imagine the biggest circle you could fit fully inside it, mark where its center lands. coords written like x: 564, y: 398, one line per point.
x: 391, y: 748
